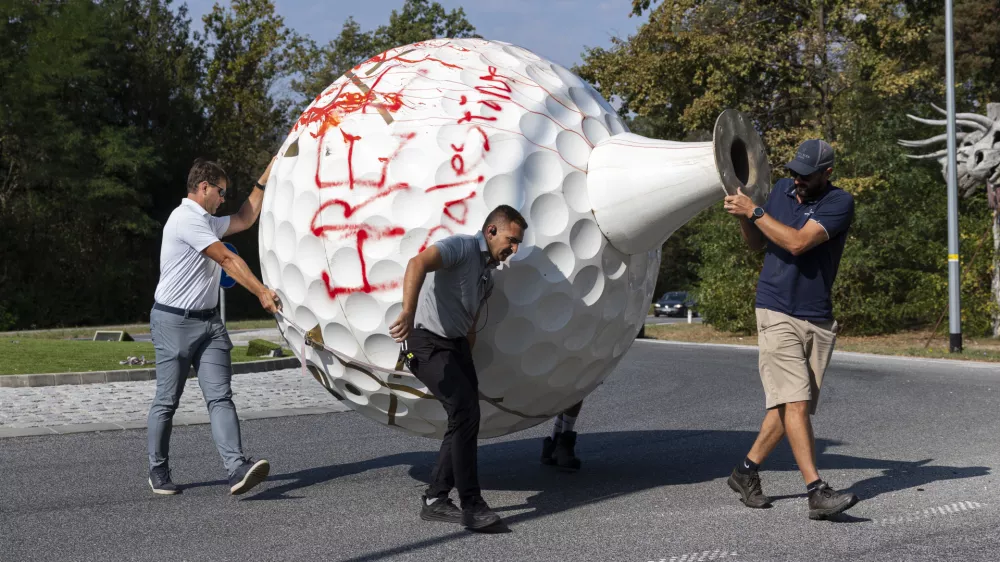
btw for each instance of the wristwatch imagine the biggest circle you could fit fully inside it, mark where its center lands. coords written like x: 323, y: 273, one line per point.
x: 258, y: 185
x: 757, y: 213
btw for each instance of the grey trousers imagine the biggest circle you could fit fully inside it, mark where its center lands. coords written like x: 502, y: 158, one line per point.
x: 180, y: 343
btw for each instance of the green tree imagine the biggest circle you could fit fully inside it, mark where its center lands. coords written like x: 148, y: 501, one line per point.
x: 246, y: 116
x: 977, y: 48
x: 245, y: 119
x: 784, y: 63
x: 321, y: 66
x: 419, y: 20
x: 93, y: 100
x: 844, y: 71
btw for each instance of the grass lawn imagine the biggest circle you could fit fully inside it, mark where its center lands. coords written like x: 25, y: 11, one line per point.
x: 20, y: 356
x: 88, y: 332
x: 50, y: 352
x: 903, y: 343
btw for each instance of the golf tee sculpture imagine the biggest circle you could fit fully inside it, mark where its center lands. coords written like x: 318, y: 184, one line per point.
x: 421, y: 142
x: 977, y: 162
x: 978, y: 149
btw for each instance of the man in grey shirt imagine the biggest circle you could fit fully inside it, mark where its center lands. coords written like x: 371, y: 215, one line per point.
x: 443, y: 290
x: 186, y: 326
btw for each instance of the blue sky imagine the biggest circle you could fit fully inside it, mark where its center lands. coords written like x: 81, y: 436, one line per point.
x: 556, y: 29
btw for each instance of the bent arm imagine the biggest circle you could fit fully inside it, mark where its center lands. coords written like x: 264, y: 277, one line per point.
x: 795, y: 242
x: 248, y: 213
x: 250, y: 210
x: 235, y: 267
x: 416, y: 271
x: 752, y: 235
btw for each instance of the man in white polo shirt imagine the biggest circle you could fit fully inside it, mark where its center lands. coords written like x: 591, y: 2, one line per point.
x: 187, y: 329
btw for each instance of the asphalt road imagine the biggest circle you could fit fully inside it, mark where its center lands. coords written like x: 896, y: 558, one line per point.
x: 915, y: 439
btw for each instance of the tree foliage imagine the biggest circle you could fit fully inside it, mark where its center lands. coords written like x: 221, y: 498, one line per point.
x: 418, y: 20
x: 846, y: 71
x: 246, y: 118
x: 97, y: 105
x: 104, y: 104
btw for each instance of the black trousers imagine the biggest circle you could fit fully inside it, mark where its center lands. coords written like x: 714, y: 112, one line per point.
x: 445, y: 366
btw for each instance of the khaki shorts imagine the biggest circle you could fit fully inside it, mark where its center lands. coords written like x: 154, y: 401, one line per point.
x: 794, y: 354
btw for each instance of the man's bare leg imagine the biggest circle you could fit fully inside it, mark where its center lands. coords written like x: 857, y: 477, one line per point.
x: 744, y: 480
x: 772, y: 429
x: 798, y: 427
x: 824, y: 501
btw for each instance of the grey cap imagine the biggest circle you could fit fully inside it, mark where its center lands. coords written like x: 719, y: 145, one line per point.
x: 812, y: 155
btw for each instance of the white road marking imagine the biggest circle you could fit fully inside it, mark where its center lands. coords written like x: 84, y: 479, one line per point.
x: 951, y: 509
x: 717, y: 554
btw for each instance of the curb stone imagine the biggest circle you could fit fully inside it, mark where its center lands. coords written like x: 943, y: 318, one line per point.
x: 179, y: 420
x: 128, y: 375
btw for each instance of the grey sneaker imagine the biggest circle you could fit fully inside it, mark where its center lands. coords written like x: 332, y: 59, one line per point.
x: 159, y: 481
x: 248, y: 475
x: 442, y: 509
x: 748, y: 487
x: 825, y: 502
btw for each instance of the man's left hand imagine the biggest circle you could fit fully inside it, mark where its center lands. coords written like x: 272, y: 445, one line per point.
x: 739, y: 205
x: 269, y: 300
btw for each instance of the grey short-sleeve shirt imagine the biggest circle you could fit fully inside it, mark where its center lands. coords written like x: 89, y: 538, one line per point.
x: 451, y: 296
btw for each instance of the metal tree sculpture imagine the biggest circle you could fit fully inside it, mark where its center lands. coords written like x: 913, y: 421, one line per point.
x: 978, y: 163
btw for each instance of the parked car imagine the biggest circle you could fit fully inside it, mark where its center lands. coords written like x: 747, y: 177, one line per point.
x: 674, y: 303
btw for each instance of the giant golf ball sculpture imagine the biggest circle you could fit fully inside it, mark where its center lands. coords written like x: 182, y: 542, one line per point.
x: 421, y: 142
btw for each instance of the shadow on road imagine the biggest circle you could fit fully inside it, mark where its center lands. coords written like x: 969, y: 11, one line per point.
x: 618, y: 464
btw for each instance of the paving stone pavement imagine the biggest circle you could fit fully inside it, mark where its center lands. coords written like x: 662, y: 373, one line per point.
x: 243, y: 337
x: 126, y: 404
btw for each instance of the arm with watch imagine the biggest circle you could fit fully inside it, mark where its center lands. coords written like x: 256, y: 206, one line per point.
x: 756, y: 224
x: 250, y: 210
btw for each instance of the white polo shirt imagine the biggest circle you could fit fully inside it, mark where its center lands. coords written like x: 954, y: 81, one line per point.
x: 189, y: 279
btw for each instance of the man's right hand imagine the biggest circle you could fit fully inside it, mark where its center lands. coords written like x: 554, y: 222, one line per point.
x: 401, y: 328
x: 269, y: 300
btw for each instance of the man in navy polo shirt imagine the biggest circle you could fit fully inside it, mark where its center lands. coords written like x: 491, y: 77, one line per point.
x: 803, y: 227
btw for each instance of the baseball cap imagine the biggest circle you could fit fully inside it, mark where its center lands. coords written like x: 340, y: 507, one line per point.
x: 812, y: 155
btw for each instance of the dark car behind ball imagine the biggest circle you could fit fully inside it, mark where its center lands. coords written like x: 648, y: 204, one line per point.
x: 674, y: 303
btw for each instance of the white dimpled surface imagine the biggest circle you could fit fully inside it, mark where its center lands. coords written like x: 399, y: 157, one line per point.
x: 420, y: 143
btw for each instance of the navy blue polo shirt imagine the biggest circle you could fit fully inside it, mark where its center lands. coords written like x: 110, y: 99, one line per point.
x: 800, y: 286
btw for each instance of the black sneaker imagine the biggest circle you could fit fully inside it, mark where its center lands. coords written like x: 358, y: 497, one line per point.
x: 564, y: 454
x: 825, y: 502
x: 159, y: 481
x: 478, y: 515
x: 748, y: 487
x: 548, y: 447
x: 442, y: 509
x: 248, y: 475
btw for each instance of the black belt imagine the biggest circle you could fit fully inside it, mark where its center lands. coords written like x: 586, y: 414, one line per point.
x: 206, y: 314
